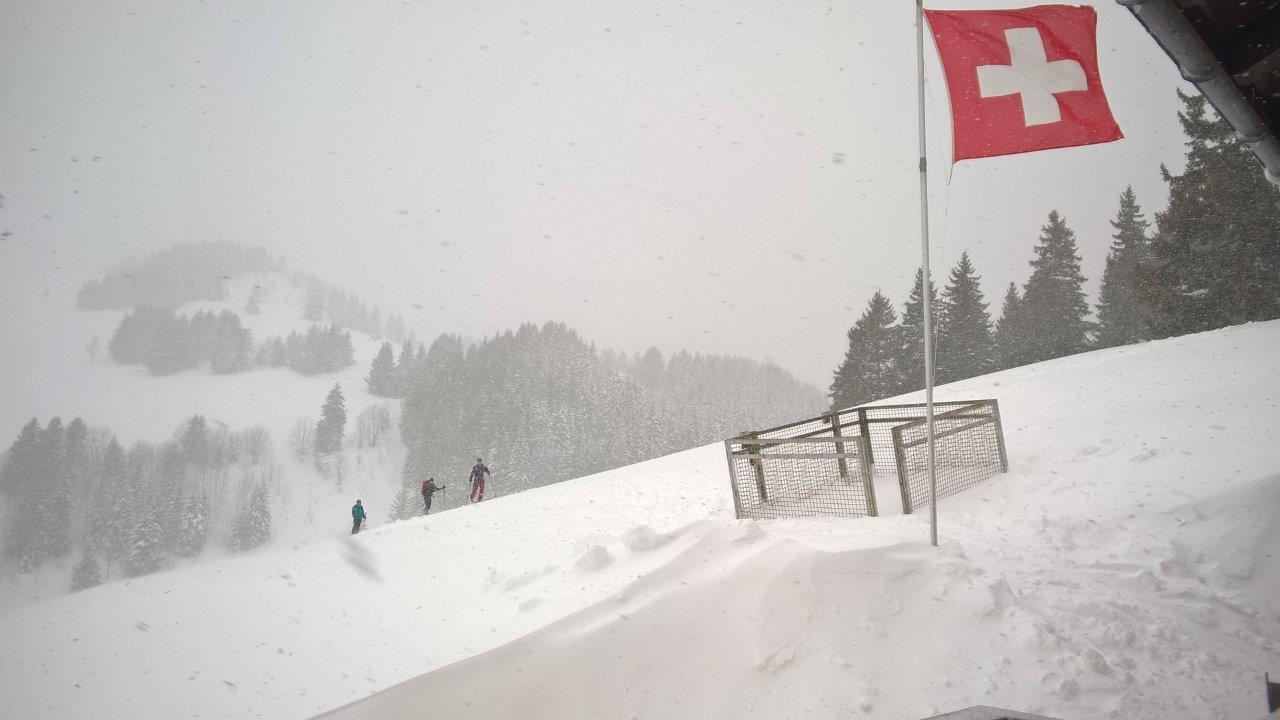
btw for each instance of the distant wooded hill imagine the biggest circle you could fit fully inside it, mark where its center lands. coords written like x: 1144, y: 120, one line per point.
x: 542, y: 405
x: 168, y: 278
x: 195, y: 272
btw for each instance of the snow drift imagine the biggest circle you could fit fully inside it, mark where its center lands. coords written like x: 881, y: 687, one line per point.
x: 1125, y: 567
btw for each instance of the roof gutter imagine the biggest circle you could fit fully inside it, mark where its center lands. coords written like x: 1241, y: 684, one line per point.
x: 1198, y: 65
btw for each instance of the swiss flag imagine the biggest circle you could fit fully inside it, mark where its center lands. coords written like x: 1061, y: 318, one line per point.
x: 1022, y: 80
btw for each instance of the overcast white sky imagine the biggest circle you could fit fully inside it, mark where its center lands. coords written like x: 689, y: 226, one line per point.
x: 648, y: 172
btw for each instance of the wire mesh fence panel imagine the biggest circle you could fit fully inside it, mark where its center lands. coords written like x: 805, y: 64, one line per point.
x: 799, y: 477
x: 880, y: 420
x: 968, y: 448
x: 825, y: 465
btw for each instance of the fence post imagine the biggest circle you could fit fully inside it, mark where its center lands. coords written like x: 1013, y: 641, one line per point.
x: 1004, y: 458
x: 901, y: 459
x: 865, y: 428
x: 758, y: 464
x: 868, y: 475
x: 733, y: 479
x: 834, y: 419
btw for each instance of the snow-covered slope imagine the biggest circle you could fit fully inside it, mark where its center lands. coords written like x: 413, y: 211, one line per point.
x: 57, y: 377
x: 1125, y: 567
x: 47, y: 354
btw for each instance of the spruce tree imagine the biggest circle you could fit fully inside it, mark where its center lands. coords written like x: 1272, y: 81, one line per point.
x: 383, y: 379
x: 252, y: 526
x: 21, y: 475
x: 910, y: 360
x: 193, y: 526
x: 19, y: 469
x: 111, y: 515
x: 80, y: 486
x: 232, y: 346
x: 87, y: 573
x: 195, y: 443
x: 49, y: 504
x: 1009, y: 337
x: 333, y: 422
x: 869, y: 371
x: 174, y: 348
x: 1214, y: 259
x: 144, y: 552
x: 1120, y: 320
x: 137, y: 335
x: 405, y: 368
x: 1053, y: 306
x: 965, y: 346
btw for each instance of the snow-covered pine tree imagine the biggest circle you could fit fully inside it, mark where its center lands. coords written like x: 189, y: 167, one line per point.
x: 1213, y: 260
x: 202, y: 328
x: 1053, y: 306
x: 232, y: 345
x: 195, y: 442
x: 869, y: 370
x: 193, y: 525
x: 80, y: 481
x: 170, y: 480
x: 145, y: 553
x: 136, y: 336
x: 87, y: 573
x: 345, y: 353
x: 383, y: 380
x: 405, y: 369
x: 910, y: 359
x: 1120, y: 318
x: 252, y: 525
x: 50, y: 501
x: 20, y: 475
x: 333, y: 422
x: 110, y: 515
x: 965, y: 346
x: 19, y: 468
x: 174, y: 348
x: 1008, y: 336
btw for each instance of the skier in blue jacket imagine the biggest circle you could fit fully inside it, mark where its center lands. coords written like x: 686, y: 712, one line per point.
x: 357, y: 517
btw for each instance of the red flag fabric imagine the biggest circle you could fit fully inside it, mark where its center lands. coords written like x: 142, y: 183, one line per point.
x: 1022, y: 80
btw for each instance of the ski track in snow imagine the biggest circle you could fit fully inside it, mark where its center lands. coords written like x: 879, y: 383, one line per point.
x: 1125, y: 567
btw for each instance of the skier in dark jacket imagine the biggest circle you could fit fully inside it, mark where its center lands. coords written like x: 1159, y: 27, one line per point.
x: 357, y: 517
x: 478, y: 473
x: 429, y: 488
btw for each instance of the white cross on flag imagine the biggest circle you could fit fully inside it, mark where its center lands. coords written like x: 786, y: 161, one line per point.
x: 1022, y: 80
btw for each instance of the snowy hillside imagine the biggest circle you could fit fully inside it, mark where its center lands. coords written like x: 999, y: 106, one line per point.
x: 59, y: 378
x: 1125, y: 567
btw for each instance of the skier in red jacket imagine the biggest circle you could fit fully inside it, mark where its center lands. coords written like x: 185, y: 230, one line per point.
x: 478, y: 474
x: 429, y: 488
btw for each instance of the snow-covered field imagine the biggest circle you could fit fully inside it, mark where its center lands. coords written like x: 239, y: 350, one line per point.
x: 47, y: 353
x: 58, y: 377
x: 1125, y: 567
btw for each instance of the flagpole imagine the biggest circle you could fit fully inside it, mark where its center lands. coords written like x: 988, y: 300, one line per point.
x: 927, y: 284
